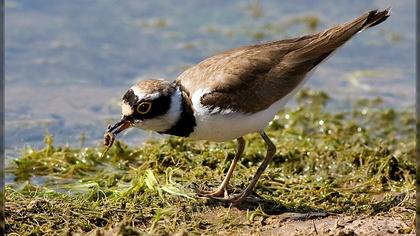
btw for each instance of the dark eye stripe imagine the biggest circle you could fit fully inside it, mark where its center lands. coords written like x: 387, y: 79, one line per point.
x: 130, y: 98
x: 159, y: 107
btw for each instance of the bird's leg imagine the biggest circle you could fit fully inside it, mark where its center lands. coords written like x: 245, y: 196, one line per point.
x: 222, y: 188
x: 271, y: 150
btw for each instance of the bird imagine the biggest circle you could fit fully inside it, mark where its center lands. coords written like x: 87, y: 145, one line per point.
x: 234, y: 93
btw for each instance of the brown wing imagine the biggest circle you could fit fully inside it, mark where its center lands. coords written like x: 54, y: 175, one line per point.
x: 250, y: 79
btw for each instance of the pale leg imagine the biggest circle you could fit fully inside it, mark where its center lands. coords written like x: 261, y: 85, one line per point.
x: 222, y: 188
x: 271, y: 150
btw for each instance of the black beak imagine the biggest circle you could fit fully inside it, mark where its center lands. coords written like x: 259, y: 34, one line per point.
x: 123, y: 124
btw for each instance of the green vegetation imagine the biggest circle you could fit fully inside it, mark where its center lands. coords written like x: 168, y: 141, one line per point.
x: 356, y: 162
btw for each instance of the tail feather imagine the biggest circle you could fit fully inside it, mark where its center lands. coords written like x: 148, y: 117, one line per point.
x: 374, y: 18
x: 325, y: 43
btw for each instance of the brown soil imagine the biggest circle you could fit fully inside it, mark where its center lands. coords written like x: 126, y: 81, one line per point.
x: 339, y: 225
x: 294, y: 224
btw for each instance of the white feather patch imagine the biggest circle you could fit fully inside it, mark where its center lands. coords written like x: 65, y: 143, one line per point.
x: 222, y: 125
x: 126, y: 109
x: 142, y: 95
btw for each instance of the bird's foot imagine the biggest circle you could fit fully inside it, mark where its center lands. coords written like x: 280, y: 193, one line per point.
x: 234, y: 200
x: 222, y: 195
x: 218, y: 193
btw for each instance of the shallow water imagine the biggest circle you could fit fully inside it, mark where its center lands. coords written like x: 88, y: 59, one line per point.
x: 69, y: 62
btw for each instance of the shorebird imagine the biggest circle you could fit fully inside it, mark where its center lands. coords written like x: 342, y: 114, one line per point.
x: 234, y: 93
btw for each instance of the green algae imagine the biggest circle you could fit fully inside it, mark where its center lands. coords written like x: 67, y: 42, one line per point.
x: 360, y: 161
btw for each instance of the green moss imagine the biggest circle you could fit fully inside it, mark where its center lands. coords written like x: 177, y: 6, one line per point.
x: 360, y: 161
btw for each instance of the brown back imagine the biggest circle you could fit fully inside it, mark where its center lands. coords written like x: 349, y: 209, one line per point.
x: 249, y: 79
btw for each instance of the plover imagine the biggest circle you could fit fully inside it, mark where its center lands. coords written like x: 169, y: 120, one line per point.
x: 234, y: 93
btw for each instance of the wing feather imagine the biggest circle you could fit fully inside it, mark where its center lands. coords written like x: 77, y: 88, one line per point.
x: 249, y: 79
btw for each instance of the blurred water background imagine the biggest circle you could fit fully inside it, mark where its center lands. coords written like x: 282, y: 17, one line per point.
x: 69, y: 62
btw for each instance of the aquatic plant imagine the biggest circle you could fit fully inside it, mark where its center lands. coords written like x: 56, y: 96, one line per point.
x: 360, y: 161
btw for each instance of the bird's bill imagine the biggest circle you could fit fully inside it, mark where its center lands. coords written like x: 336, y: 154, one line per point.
x: 119, y: 126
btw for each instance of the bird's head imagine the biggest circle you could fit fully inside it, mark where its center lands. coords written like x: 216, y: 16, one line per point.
x: 150, y: 105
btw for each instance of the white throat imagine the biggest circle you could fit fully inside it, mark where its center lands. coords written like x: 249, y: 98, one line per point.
x: 167, y: 120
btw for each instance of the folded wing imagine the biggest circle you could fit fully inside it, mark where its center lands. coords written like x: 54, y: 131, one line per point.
x: 249, y: 79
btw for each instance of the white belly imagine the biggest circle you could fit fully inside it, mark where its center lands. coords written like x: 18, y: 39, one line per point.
x: 227, y: 124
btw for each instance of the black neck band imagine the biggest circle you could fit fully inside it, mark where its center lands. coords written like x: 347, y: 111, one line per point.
x: 186, y: 123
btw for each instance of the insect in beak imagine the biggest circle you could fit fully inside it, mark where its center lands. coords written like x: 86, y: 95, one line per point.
x: 112, y: 131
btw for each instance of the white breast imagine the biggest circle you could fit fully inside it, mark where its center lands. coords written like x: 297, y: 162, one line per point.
x: 223, y: 125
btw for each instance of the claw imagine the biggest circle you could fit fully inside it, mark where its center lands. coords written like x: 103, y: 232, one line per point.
x: 211, y: 194
x: 234, y: 200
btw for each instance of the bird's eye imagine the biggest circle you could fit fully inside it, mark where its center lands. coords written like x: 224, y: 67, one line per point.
x: 144, y: 107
